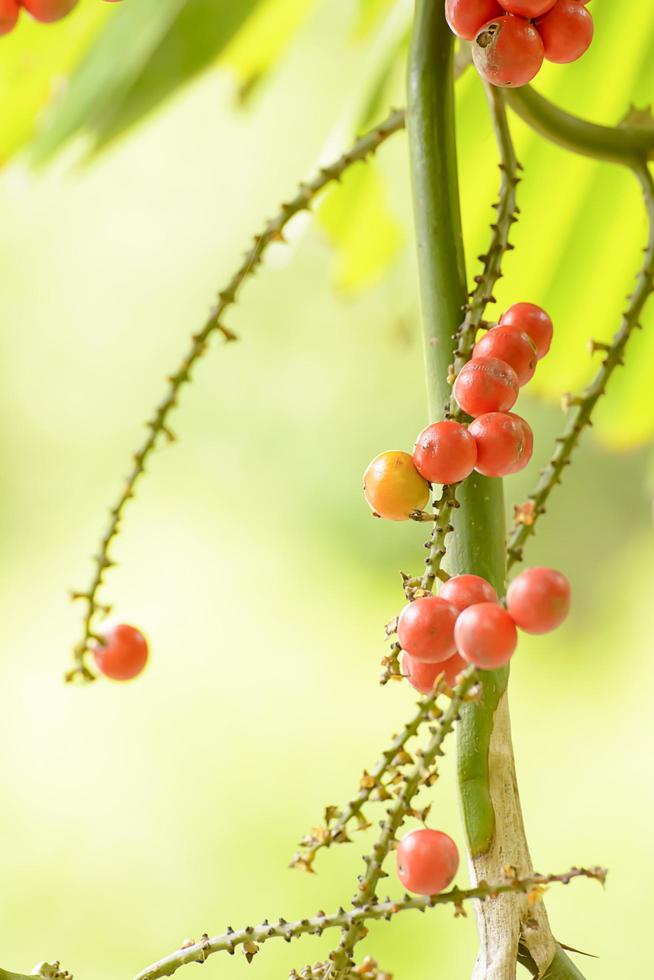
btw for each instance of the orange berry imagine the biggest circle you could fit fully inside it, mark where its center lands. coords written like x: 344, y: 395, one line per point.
x: 393, y: 487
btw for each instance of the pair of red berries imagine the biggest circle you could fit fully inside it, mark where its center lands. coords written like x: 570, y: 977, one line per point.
x: 496, y: 444
x: 511, y: 38
x: 122, y: 654
x: 465, y: 624
x: 46, y: 11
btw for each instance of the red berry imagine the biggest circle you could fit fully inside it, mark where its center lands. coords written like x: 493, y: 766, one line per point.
x: 9, y: 11
x: 452, y: 667
x: 465, y: 17
x: 566, y: 31
x: 445, y: 452
x: 513, y: 345
x: 505, y: 443
x: 538, y: 600
x: 527, y: 8
x: 427, y: 861
x: 425, y: 629
x: 422, y: 676
x: 534, y: 321
x: 48, y: 11
x: 486, y: 384
x: 486, y: 635
x: 393, y: 487
x: 508, y: 51
x: 467, y: 590
x: 124, y: 653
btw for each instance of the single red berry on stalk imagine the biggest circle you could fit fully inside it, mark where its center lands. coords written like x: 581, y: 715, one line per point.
x: 486, y: 384
x: 465, y: 17
x: 486, y: 636
x: 508, y: 51
x: 393, y: 487
x: 427, y: 861
x: 566, y: 31
x: 505, y: 443
x: 514, y: 346
x: 527, y: 8
x: 534, y: 321
x: 445, y: 452
x: 425, y: 629
x: 123, y: 654
x: 422, y: 676
x: 538, y: 600
x: 48, y: 11
x: 9, y: 12
x: 467, y: 590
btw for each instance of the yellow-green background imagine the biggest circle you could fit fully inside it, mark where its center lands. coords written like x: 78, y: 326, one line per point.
x: 133, y: 817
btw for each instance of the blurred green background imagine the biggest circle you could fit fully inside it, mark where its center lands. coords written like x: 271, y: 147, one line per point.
x: 136, y: 816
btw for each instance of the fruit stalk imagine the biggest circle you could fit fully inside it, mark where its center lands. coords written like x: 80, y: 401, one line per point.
x: 252, y: 938
x: 487, y: 781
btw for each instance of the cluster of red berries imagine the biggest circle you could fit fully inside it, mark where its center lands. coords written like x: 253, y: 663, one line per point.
x: 45, y: 11
x: 466, y: 624
x: 497, y: 443
x: 122, y: 654
x: 440, y: 635
x: 511, y: 38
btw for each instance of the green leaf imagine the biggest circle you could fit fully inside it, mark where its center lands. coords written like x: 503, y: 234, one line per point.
x: 36, y: 60
x: 257, y: 48
x: 366, y: 234
x: 370, y: 13
x: 147, y: 50
x: 5, y: 975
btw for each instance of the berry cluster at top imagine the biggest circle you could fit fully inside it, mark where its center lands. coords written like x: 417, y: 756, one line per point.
x: 45, y: 11
x: 512, y: 38
x: 497, y: 443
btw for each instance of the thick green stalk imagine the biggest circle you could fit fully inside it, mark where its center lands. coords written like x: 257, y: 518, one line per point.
x: 439, y: 238
x: 489, y: 795
x: 478, y: 544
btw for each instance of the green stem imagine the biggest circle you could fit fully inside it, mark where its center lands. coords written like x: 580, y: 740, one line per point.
x: 625, y: 143
x: 439, y: 237
x: 477, y: 545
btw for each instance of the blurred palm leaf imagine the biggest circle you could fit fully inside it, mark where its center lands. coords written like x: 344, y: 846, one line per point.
x: 367, y: 236
x: 257, y: 48
x: 151, y: 48
x: 35, y: 61
x: 148, y: 49
x: 370, y: 13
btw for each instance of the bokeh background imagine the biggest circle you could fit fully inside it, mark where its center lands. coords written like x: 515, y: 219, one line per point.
x: 135, y: 816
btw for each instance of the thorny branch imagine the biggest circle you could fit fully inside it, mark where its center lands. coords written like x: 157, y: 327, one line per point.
x: 252, y: 938
x: 158, y: 425
x: 424, y: 773
x: 580, y: 407
x: 507, y: 214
